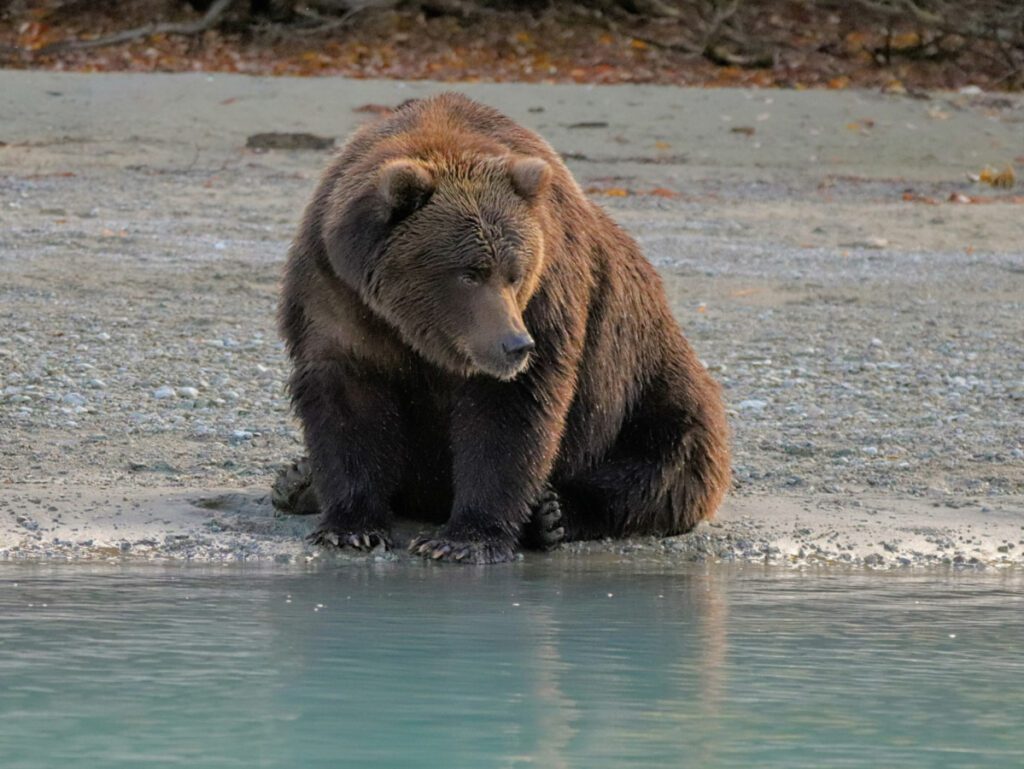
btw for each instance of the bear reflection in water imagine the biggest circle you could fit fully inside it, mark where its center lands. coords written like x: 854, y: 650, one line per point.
x: 475, y: 343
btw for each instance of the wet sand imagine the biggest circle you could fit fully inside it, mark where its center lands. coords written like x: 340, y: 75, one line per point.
x: 231, y: 525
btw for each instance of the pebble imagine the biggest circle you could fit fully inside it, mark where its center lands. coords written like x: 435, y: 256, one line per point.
x: 164, y: 392
x: 752, y: 405
x: 188, y: 392
x: 867, y: 243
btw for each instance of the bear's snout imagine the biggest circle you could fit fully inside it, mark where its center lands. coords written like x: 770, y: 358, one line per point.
x: 507, y: 358
x: 517, y: 346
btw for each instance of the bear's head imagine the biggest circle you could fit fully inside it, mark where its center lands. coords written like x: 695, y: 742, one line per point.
x: 449, y: 254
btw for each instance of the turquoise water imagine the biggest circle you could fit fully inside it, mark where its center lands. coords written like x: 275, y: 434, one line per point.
x: 546, y: 664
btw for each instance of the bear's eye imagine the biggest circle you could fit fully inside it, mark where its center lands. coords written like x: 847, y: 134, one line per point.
x: 472, y: 277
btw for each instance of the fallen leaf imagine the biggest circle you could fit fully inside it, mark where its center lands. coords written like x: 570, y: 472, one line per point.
x: 861, y: 126
x: 662, y: 192
x: 856, y: 41
x: 742, y: 129
x: 612, y: 192
x: 662, y: 145
x: 1004, y: 179
x: 912, y: 197
x: 904, y: 41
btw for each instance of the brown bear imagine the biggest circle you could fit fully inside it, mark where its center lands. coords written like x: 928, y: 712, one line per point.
x: 476, y: 342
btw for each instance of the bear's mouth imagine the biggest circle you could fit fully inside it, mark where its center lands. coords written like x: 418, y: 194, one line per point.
x: 502, y: 367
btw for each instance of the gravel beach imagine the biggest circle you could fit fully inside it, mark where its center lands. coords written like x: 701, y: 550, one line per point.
x: 859, y: 297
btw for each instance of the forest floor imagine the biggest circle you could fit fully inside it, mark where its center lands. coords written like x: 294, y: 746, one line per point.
x: 834, y: 256
x: 761, y: 44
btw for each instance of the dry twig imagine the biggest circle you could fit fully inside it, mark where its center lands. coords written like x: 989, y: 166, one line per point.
x: 209, y: 19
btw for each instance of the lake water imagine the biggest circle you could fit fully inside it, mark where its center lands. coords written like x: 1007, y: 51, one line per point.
x: 548, y: 663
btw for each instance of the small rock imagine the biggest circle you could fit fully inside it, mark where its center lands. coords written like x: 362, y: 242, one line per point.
x: 872, y: 243
x: 752, y: 405
x: 279, y: 140
x: 188, y: 392
x: 74, y: 399
x: 164, y: 392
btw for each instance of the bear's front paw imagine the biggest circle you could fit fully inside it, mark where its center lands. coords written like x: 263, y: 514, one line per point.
x: 476, y: 552
x: 363, y: 541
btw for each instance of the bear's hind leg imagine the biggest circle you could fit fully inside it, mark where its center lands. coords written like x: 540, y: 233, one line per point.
x: 544, y: 530
x: 676, y: 480
x: 292, y: 492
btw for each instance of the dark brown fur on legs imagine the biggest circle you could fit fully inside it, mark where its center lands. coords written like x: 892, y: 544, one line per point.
x: 469, y: 332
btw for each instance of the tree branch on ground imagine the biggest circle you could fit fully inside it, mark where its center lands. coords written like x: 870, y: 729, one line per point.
x: 208, y: 21
x: 998, y: 22
x: 713, y: 30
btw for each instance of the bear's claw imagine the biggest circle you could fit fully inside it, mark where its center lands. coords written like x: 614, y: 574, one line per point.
x: 365, y: 541
x: 544, y: 531
x: 462, y: 552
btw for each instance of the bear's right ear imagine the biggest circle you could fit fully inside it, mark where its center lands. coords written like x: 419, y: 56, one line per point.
x: 404, y: 186
x: 530, y: 176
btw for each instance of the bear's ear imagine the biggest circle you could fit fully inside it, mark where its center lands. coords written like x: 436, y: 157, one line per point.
x: 530, y: 176
x: 405, y: 185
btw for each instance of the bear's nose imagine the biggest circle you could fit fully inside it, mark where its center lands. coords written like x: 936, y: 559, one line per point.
x: 517, y: 345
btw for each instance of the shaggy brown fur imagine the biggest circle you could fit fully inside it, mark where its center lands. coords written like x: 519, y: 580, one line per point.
x: 469, y: 332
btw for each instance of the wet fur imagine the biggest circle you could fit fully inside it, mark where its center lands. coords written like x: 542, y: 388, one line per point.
x: 613, y: 409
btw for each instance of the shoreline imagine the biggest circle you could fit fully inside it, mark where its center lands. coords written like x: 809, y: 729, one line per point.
x: 84, y: 524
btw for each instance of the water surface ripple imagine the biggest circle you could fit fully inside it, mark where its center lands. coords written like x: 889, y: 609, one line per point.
x: 594, y: 666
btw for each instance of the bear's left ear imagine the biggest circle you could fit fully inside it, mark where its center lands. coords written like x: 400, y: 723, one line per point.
x: 530, y: 176
x: 405, y: 185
